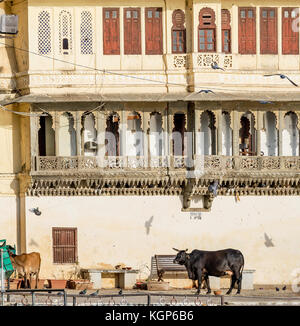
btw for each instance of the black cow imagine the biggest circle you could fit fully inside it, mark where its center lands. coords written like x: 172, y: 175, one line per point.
x: 212, y: 263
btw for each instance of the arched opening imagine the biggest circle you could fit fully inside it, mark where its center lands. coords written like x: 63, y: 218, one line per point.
x: 207, y: 134
x: 269, y: 135
x: 46, y: 136
x: 179, y: 135
x: 247, y: 144
x: 226, y: 134
x: 134, y: 135
x: 156, y: 135
x: 290, y: 135
x: 67, y: 135
x: 112, y: 136
x: 89, y: 135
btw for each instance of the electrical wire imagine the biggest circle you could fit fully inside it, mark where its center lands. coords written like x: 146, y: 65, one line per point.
x: 109, y: 72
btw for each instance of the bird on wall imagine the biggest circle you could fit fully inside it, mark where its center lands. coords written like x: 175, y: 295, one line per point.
x: 148, y: 224
x: 36, y: 211
x: 265, y: 102
x: 215, y: 66
x: 121, y: 292
x: 94, y: 293
x: 206, y: 91
x: 83, y: 292
x: 282, y: 77
x: 284, y: 288
x: 213, y: 188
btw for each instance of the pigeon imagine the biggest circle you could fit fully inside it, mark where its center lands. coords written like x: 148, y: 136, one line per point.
x: 283, y: 77
x: 94, y: 293
x: 284, y: 288
x: 277, y: 289
x: 265, y: 102
x: 215, y: 66
x: 213, y: 188
x: 35, y: 211
x: 206, y: 91
x: 59, y: 293
x: 83, y: 292
x: 120, y: 292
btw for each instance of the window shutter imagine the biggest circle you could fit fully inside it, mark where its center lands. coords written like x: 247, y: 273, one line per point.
x: 207, y: 31
x: 178, y: 32
x: 268, y: 31
x: 132, y: 31
x: 226, y: 31
x: 154, y: 38
x: 290, y: 38
x: 247, y: 30
x: 64, y: 245
x: 111, y: 31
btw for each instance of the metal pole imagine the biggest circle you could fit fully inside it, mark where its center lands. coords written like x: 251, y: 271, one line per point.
x: 33, y: 298
x: 65, y: 298
x: 148, y: 299
x: 74, y: 301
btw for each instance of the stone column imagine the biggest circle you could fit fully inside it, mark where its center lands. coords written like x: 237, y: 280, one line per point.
x: 259, y: 126
x: 219, y: 131
x: 56, y: 128
x: 34, y: 141
x: 78, y: 132
x: 280, y: 126
x: 146, y: 148
x: 235, y: 133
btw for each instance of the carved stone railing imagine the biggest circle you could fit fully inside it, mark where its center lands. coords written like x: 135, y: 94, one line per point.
x: 211, y: 163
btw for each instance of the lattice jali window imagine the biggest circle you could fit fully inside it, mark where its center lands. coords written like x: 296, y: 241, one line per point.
x: 44, y: 33
x: 64, y: 245
x: 65, y: 32
x: 86, y: 33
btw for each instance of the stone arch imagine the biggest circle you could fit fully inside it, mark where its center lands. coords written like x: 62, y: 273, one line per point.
x: 67, y: 135
x: 226, y: 133
x: 290, y: 135
x: 269, y: 134
x: 156, y: 140
x: 89, y: 134
x: 112, y: 135
x: 134, y: 134
x: 179, y: 136
x: 46, y: 136
x: 208, y: 139
x: 247, y: 134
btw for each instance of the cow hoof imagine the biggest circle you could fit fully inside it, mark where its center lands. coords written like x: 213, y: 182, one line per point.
x: 208, y: 292
x: 228, y: 293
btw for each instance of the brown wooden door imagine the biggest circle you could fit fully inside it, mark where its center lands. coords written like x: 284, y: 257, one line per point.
x: 268, y: 31
x: 290, y: 37
x: 132, y: 31
x: 247, y: 30
x: 64, y: 245
x: 111, y: 31
x: 154, y: 31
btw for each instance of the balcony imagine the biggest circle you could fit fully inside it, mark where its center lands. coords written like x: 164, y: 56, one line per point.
x: 207, y: 165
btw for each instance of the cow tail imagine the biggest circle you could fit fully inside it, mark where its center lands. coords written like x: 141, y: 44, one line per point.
x: 242, y: 268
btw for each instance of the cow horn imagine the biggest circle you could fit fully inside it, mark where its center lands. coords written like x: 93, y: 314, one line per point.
x: 186, y: 250
x: 175, y: 249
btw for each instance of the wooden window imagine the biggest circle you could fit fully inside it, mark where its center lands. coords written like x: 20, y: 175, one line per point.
x: 207, y: 31
x: 268, y: 31
x: 111, y: 31
x: 132, y: 31
x: 247, y: 30
x: 154, y: 31
x: 178, y: 32
x: 64, y: 245
x: 226, y: 31
x: 290, y: 38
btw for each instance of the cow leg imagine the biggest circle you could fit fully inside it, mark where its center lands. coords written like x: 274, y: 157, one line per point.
x: 30, y: 280
x: 36, y: 280
x: 25, y: 281
x: 199, y: 281
x: 206, y: 279
x: 233, y: 280
x: 239, y: 282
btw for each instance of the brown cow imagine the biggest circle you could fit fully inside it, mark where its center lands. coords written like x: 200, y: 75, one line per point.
x: 27, y: 265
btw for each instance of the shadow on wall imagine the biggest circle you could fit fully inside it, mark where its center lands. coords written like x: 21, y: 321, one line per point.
x: 268, y: 241
x: 148, y: 224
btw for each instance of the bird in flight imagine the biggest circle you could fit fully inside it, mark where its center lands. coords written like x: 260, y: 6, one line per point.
x: 215, y: 66
x: 206, y: 91
x: 282, y: 77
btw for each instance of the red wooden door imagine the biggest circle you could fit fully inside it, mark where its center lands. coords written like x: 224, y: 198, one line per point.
x: 132, y: 31
x: 268, y: 31
x: 154, y: 31
x: 111, y: 31
x: 247, y: 30
x: 290, y: 37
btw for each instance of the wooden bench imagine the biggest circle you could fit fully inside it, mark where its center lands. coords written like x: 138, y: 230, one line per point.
x: 160, y: 264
